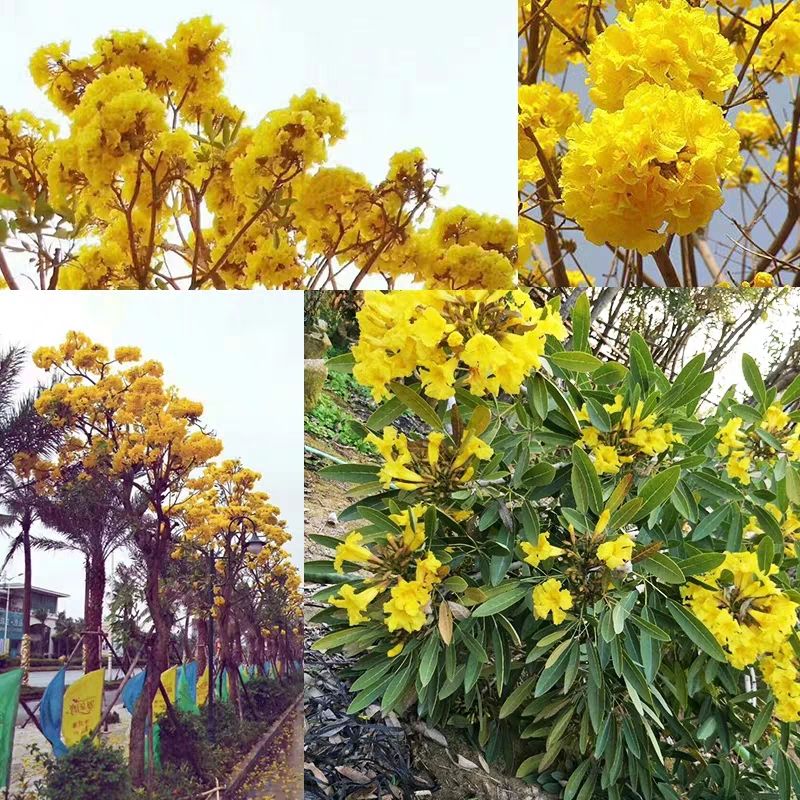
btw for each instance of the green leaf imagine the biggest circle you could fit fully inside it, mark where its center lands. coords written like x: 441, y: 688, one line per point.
x: 585, y: 482
x: 753, y: 378
x: 701, y: 563
x: 350, y: 473
x: 657, y: 490
x: 396, y: 689
x: 761, y: 721
x: 575, y: 361
x: 429, y: 660
x: 517, y: 697
x: 342, y: 363
x: 650, y: 629
x: 664, y: 568
x: 696, y: 631
x: 576, y: 779
x: 385, y: 415
x: 792, y: 484
x: 500, y: 602
x: 379, y: 519
x: 581, y: 323
x: 416, y: 404
x: 765, y: 553
x: 323, y: 572
x: 8, y: 203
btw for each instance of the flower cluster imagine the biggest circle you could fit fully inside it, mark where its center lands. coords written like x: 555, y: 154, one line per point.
x: 677, y: 146
x: 752, y: 619
x: 400, y: 565
x: 545, y: 115
x: 671, y: 45
x: 434, y: 467
x: 632, y: 434
x: 483, y: 341
x: 161, y: 183
x: 747, y: 445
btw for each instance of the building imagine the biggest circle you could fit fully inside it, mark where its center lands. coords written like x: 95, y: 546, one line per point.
x: 44, y: 611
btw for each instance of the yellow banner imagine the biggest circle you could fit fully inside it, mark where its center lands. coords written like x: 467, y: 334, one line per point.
x: 202, y: 688
x: 169, y: 680
x: 83, y: 706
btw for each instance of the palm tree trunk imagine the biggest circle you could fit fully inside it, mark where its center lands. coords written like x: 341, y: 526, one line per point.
x: 25, y: 646
x: 95, y: 592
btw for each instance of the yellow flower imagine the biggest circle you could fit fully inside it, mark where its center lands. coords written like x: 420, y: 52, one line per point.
x: 616, y: 552
x: 550, y: 598
x: 633, y: 176
x: 730, y: 436
x: 541, y: 551
x: 405, y: 610
x: 775, y: 419
x: 351, y: 550
x: 427, y: 570
x: 763, y: 280
x: 606, y: 460
x: 672, y: 45
x: 354, y: 603
x: 739, y: 467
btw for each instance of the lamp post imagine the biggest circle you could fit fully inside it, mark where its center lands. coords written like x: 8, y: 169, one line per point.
x: 247, y: 542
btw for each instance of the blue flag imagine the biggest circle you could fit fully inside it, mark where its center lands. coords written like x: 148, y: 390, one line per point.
x: 133, y: 688
x: 51, y: 709
x: 189, y: 672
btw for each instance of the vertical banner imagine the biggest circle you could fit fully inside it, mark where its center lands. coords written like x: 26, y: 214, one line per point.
x: 10, y: 683
x: 83, y: 707
x: 202, y: 688
x: 187, y: 690
x: 132, y: 691
x: 51, y: 711
x: 169, y: 679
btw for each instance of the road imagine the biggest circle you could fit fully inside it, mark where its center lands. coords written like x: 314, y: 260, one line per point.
x: 278, y: 774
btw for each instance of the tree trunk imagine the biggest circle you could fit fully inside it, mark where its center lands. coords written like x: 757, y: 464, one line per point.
x: 201, y: 651
x: 25, y: 645
x: 95, y: 594
x: 157, y: 660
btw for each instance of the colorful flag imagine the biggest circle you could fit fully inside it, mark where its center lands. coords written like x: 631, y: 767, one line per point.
x: 202, y: 688
x: 132, y: 691
x: 184, y: 696
x: 169, y: 679
x: 83, y: 707
x: 51, y: 709
x: 10, y: 683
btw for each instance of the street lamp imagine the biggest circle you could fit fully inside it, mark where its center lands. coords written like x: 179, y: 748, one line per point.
x: 252, y: 545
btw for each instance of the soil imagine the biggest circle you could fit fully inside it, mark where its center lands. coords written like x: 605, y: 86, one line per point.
x: 456, y: 781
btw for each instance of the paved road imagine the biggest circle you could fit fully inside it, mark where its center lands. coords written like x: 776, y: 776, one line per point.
x: 278, y: 774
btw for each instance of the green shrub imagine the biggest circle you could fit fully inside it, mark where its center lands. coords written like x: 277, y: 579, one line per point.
x: 88, y: 771
x: 591, y: 573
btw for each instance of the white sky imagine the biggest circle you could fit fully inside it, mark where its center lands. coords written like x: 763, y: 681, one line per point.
x: 435, y: 74
x: 239, y: 353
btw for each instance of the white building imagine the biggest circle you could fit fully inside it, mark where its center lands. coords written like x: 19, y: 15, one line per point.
x: 43, y: 602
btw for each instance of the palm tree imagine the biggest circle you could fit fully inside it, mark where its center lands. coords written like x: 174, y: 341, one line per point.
x: 66, y: 634
x: 40, y: 615
x: 89, y: 519
x: 22, y: 430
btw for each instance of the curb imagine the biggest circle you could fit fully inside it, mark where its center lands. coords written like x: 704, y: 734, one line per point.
x: 243, y: 770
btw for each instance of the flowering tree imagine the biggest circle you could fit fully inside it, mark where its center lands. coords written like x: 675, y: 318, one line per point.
x: 683, y: 170
x: 159, y: 182
x: 595, y: 578
x: 224, y: 496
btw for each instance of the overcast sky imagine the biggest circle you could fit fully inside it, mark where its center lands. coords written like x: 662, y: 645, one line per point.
x: 435, y: 74
x: 239, y: 353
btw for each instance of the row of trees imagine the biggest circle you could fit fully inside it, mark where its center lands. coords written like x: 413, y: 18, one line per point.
x: 109, y: 459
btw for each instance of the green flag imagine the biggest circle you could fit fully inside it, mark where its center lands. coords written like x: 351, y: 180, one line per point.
x: 184, y: 700
x: 10, y: 683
